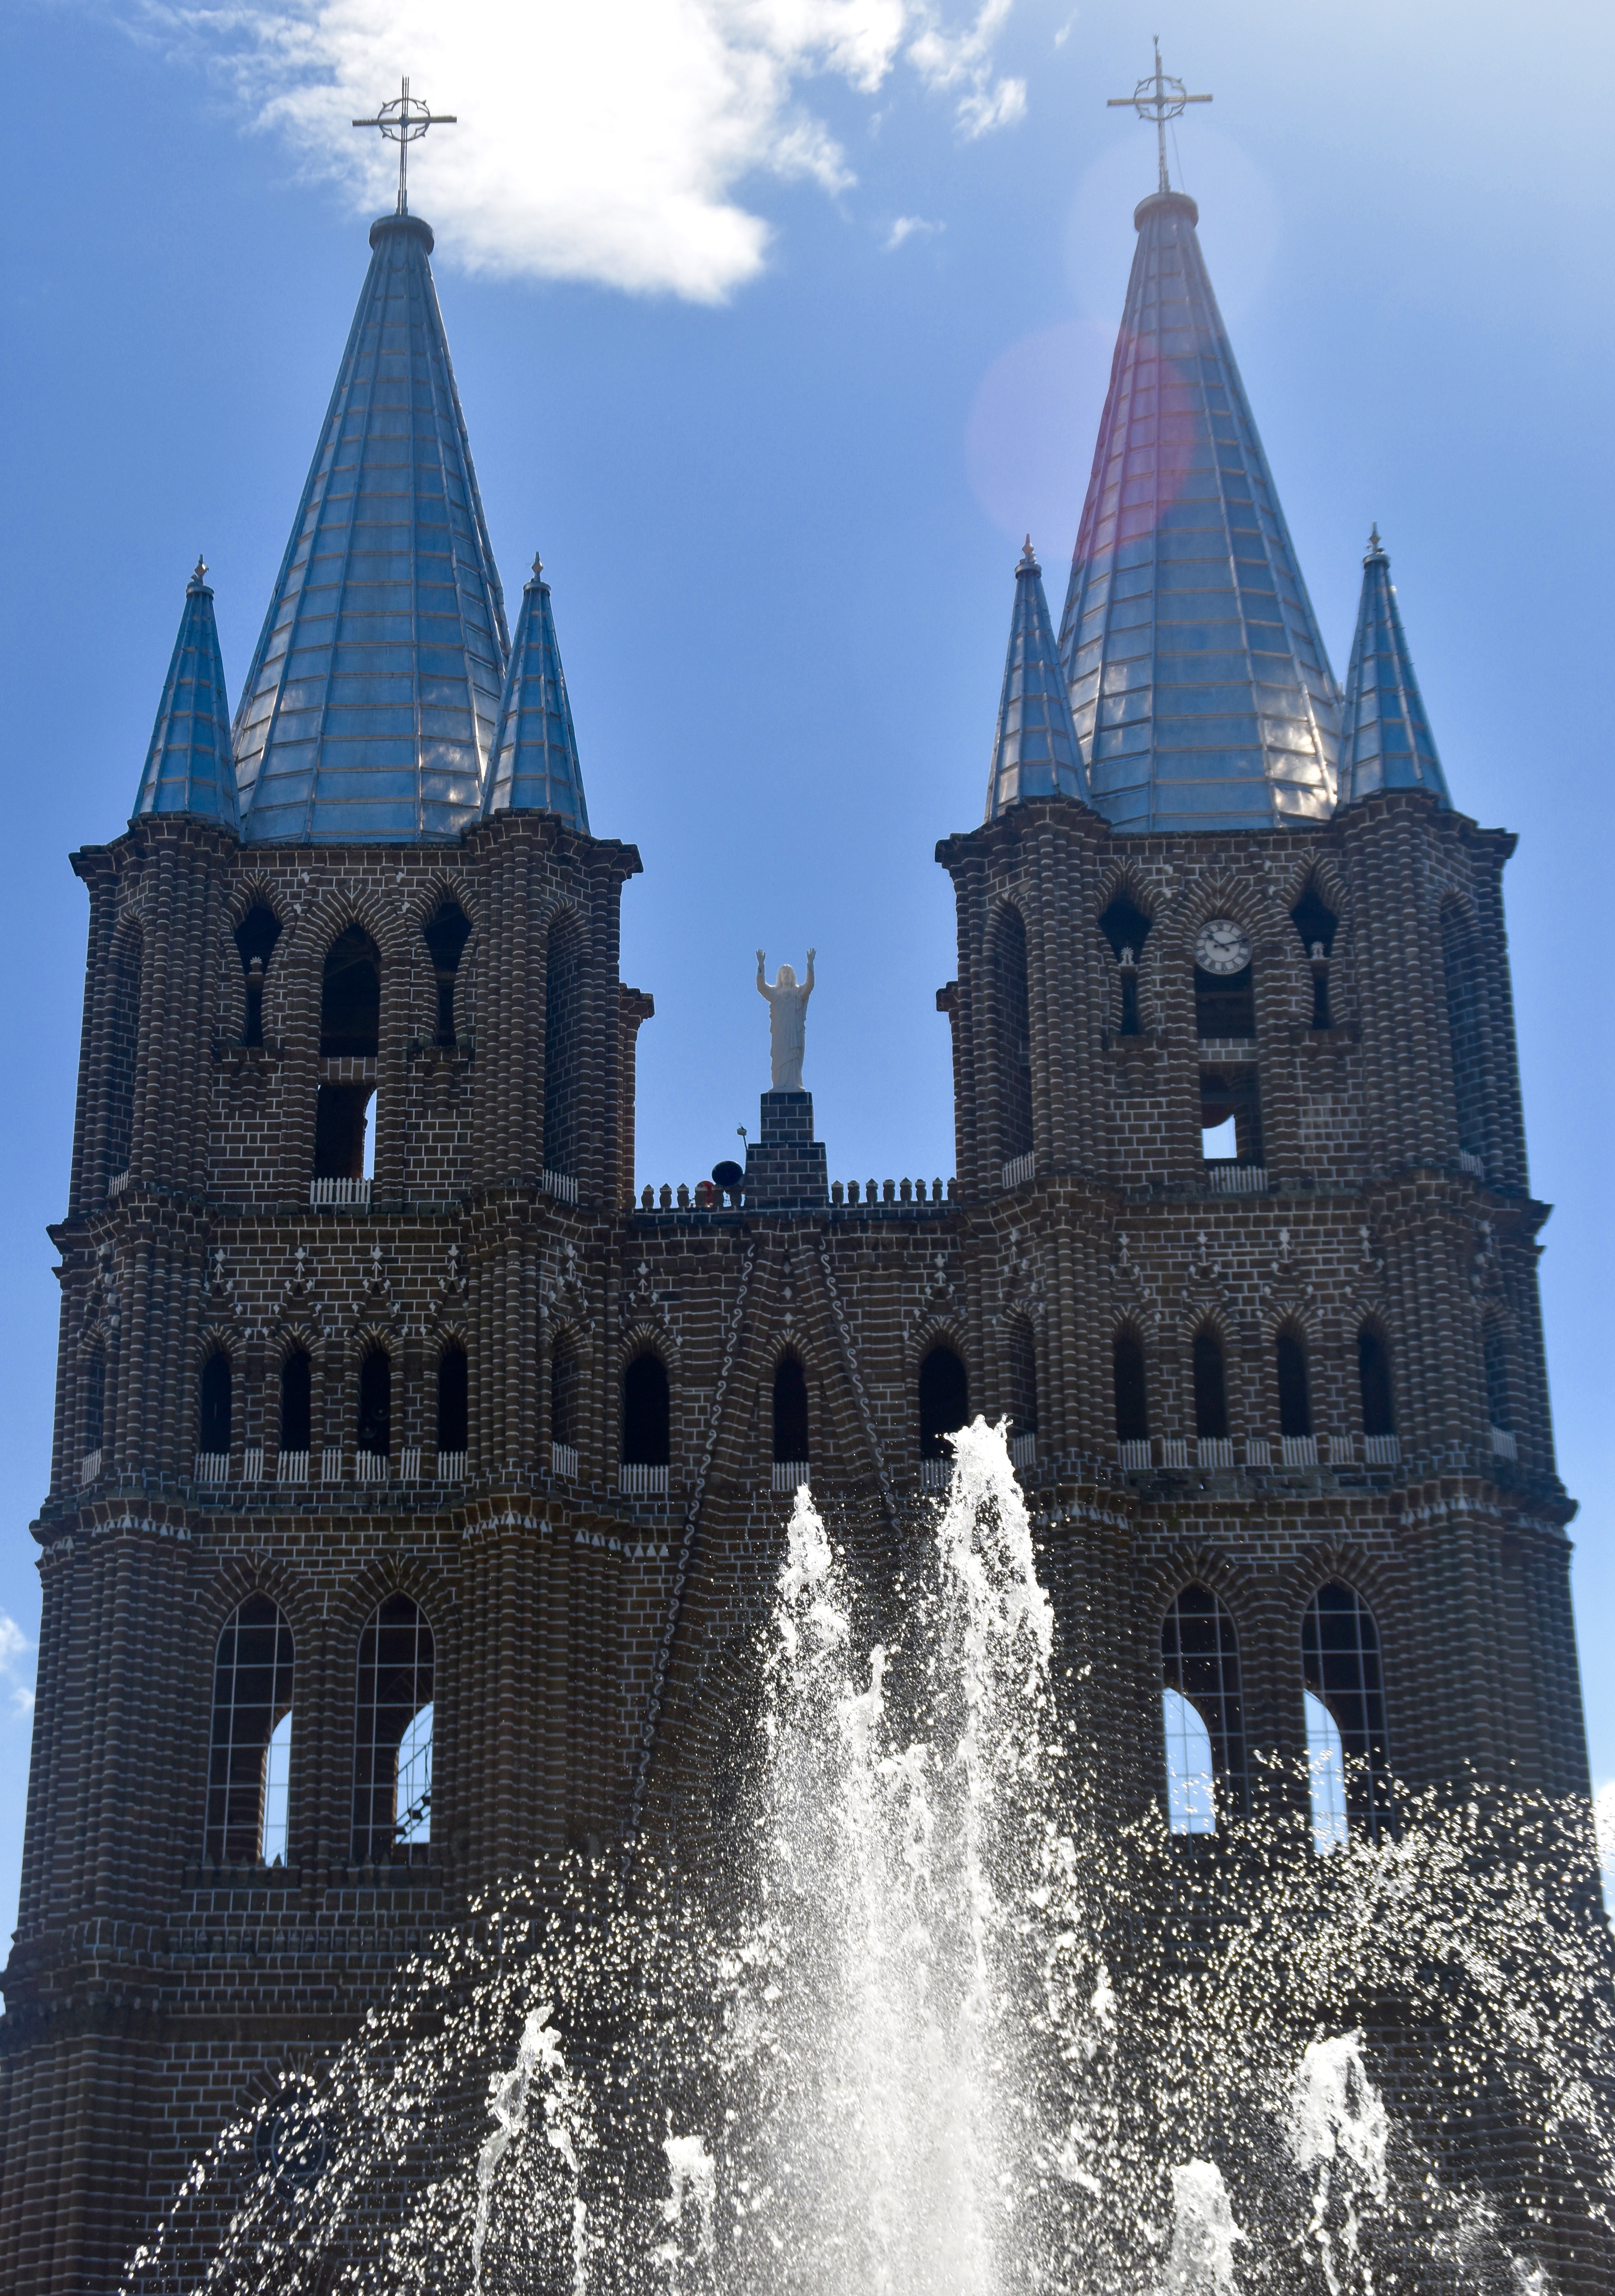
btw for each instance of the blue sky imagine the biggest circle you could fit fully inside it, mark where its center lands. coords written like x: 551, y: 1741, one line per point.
x: 776, y: 324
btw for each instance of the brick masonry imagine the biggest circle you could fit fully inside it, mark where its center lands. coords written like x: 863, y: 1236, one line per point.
x: 592, y: 1648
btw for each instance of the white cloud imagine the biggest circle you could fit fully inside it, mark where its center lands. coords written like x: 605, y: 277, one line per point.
x: 909, y: 227
x: 593, y: 143
x: 14, y: 1645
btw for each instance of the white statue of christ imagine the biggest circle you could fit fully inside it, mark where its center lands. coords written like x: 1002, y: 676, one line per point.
x: 787, y: 1021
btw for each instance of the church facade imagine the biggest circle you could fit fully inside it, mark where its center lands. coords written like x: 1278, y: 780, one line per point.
x: 418, y: 1475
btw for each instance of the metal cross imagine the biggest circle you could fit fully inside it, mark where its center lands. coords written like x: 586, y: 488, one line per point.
x: 1159, y: 98
x: 405, y: 119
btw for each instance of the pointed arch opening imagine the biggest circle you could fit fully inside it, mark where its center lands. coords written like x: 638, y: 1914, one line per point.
x: 1020, y: 1388
x: 1495, y: 1362
x: 1316, y: 923
x: 122, y: 1049
x: 1294, y: 1383
x: 1373, y: 1382
x: 445, y: 933
x: 790, y: 1443
x: 1126, y: 926
x: 93, y: 1407
x: 351, y: 998
x: 255, y: 939
x: 563, y: 1046
x: 1012, y: 1034
x: 1348, y: 1762
x: 566, y: 1394
x: 393, y: 1732
x: 1465, y: 1027
x: 213, y: 1406
x: 453, y: 1400
x: 374, y: 1432
x: 1130, y: 1387
x: 297, y: 1404
x: 944, y: 1400
x: 1203, y: 1712
x: 1210, y: 1384
x: 646, y: 1412
x: 252, y: 1693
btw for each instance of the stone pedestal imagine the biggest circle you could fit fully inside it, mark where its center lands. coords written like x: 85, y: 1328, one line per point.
x: 786, y: 1169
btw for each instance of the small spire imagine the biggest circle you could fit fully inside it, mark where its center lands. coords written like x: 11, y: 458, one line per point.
x: 1035, y: 751
x: 189, y: 769
x: 534, y: 765
x: 199, y: 574
x: 1385, y: 737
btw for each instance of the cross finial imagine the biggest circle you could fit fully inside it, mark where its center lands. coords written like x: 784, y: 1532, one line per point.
x: 200, y: 574
x: 1159, y: 97
x: 405, y: 120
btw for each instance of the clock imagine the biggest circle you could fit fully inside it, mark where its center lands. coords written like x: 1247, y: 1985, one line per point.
x: 1222, y: 948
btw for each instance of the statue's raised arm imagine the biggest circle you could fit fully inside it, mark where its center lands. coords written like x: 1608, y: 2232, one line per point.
x: 787, y: 1013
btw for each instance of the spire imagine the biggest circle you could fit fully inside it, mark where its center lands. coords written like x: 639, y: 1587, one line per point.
x: 1201, y: 691
x: 1035, y: 753
x: 1385, y: 737
x: 535, y: 766
x: 188, y: 768
x: 368, y: 713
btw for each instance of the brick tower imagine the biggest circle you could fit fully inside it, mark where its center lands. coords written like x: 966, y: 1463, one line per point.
x: 415, y: 1486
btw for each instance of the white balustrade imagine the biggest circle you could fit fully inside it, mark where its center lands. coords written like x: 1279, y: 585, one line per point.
x: 1469, y: 1162
x: 1299, y: 1450
x: 89, y: 1466
x: 561, y: 1186
x: 1174, y: 1450
x: 252, y: 1465
x: 451, y: 1467
x: 1214, y: 1450
x: 330, y: 1464
x: 213, y: 1466
x: 351, y: 1194
x: 1503, y: 1444
x: 1258, y: 1451
x: 116, y: 1185
x: 370, y: 1466
x: 636, y: 1482
x: 1237, y: 1179
x: 935, y: 1474
x: 1134, y: 1454
x: 1018, y: 1169
x: 563, y: 1461
x: 788, y: 1474
x: 1023, y: 1451
x: 409, y: 1464
x: 1381, y: 1450
x: 292, y: 1467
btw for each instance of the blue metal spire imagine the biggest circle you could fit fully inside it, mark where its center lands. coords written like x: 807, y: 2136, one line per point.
x: 1035, y: 753
x: 1385, y: 737
x: 369, y: 710
x: 188, y: 768
x: 535, y: 766
x: 1200, y: 690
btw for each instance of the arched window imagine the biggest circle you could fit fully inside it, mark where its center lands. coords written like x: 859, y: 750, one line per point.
x: 1225, y: 1003
x: 1125, y: 926
x: 375, y: 1404
x: 790, y: 1412
x: 564, y: 1394
x: 1201, y: 1713
x: 445, y: 935
x: 1132, y: 1394
x: 255, y: 939
x: 123, y: 1046
x: 1341, y: 1668
x: 563, y: 1046
x: 1294, y: 1387
x: 341, y: 1131
x: 1020, y: 1378
x: 1210, y: 1384
x: 252, y: 1668
x: 454, y: 1399
x: 392, y: 1731
x: 350, y: 999
x: 213, y: 1406
x: 296, y: 1402
x: 944, y: 1401
x: 1374, y: 1383
x: 1316, y: 923
x: 1012, y: 1016
x: 1465, y: 1026
x: 1494, y: 1345
x: 646, y: 1417
x: 95, y: 1400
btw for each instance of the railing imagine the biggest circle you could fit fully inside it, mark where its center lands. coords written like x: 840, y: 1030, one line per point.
x: 252, y: 1465
x: 1134, y: 1454
x: 1174, y: 1450
x: 788, y: 1474
x: 353, y: 1194
x: 563, y: 1461
x: 451, y: 1467
x: 409, y: 1464
x: 1018, y: 1169
x: 935, y: 1474
x: 330, y: 1464
x: 370, y: 1466
x: 292, y: 1467
x: 637, y: 1481
x: 1258, y: 1451
x: 561, y: 1186
x: 116, y: 1185
x: 213, y: 1466
x: 1468, y: 1161
x: 1023, y: 1451
x: 1236, y: 1179
x: 1214, y: 1450
x: 89, y: 1467
x: 1298, y: 1450
x: 1503, y: 1444
x: 1381, y: 1450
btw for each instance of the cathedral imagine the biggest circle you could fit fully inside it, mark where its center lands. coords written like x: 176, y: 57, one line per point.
x: 418, y: 1473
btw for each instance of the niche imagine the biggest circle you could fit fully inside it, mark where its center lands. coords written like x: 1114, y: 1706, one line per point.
x: 255, y: 939
x: 1125, y: 927
x: 445, y: 935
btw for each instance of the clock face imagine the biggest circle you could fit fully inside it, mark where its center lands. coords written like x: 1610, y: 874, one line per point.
x: 1222, y: 948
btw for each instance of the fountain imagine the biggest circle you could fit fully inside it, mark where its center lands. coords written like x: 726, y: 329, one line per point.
x: 938, y: 2023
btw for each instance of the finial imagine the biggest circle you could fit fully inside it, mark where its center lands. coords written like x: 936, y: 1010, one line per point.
x: 1028, y: 556
x: 404, y: 120
x: 1158, y: 97
x: 200, y: 575
x: 1376, y: 548
x: 537, y: 574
